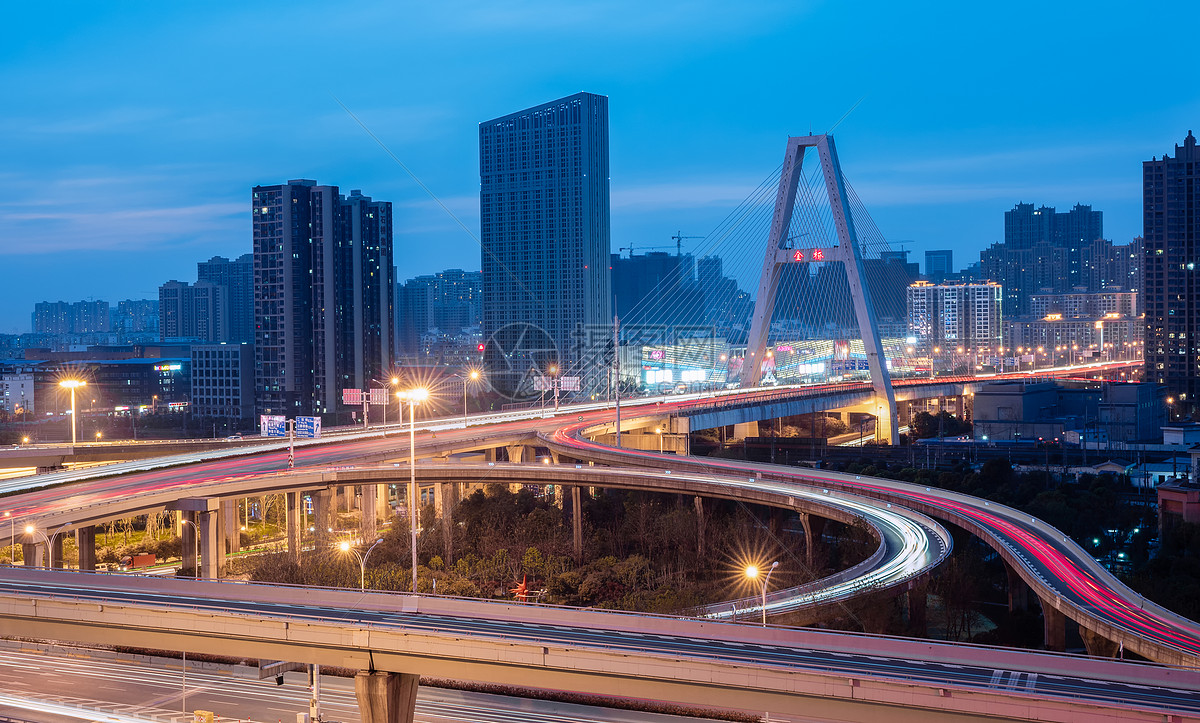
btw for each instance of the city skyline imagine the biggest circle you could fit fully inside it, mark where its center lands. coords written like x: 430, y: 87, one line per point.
x: 129, y: 159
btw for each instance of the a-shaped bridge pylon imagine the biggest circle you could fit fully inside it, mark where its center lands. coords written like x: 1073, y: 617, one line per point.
x: 779, y: 253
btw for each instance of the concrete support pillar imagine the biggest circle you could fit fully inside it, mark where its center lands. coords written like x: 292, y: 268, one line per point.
x: 222, y: 530
x: 348, y: 496
x: 85, y: 542
x: 367, y: 523
x: 33, y: 554
x: 187, y: 540
x: 449, y: 495
x: 323, y: 516
x: 1018, y: 591
x: 56, y: 551
x: 576, y: 523
x: 293, y: 525
x: 745, y: 429
x: 845, y: 417
x: 1055, y: 626
x: 233, y: 526
x: 516, y: 453
x: 814, y: 527
x: 701, y: 525
x: 386, y: 697
x: 1097, y: 645
x: 209, y: 524
x: 383, y: 510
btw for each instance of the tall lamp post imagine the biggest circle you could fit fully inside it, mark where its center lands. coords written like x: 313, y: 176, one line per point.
x: 345, y: 546
x: 34, y: 532
x: 72, y: 384
x: 413, y: 397
x: 12, y: 534
x: 753, y: 573
x: 470, y: 376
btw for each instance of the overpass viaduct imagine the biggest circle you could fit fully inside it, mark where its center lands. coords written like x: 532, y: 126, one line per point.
x: 908, y: 545
x: 393, y: 639
x: 1066, y: 580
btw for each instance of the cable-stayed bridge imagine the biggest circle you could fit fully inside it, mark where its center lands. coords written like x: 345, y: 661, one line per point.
x: 814, y: 300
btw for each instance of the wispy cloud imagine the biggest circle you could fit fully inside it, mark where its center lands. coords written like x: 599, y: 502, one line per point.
x: 43, y: 232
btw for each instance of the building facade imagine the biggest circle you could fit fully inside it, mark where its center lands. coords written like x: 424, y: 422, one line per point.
x: 223, y: 381
x: 1171, y: 232
x: 1045, y: 252
x: 197, y: 311
x: 237, y: 277
x: 80, y: 317
x: 322, y: 295
x: 16, y: 394
x: 544, y: 222
x: 939, y: 264
x: 447, y: 303
x: 949, y: 316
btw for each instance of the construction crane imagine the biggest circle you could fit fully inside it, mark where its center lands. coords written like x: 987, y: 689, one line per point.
x: 679, y: 237
x: 629, y: 248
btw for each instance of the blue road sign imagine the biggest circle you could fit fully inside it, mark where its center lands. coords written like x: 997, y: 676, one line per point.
x: 273, y: 426
x: 308, y: 427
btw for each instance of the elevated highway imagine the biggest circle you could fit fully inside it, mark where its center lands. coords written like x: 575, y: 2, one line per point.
x: 1068, y: 582
x: 394, y: 638
x: 909, y: 545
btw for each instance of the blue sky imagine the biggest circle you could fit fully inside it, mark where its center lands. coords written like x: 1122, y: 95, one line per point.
x: 132, y: 132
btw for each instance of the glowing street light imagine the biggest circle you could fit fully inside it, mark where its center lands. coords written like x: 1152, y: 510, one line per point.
x: 34, y: 532
x: 413, y: 397
x: 752, y: 572
x: 471, y: 376
x: 345, y: 546
x: 72, y: 384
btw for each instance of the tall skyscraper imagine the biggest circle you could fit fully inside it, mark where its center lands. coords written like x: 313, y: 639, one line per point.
x: 1171, y: 232
x: 322, y: 295
x: 544, y: 221
x: 363, y: 291
x: 238, y: 278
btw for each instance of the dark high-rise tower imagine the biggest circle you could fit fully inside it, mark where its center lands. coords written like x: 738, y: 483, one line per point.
x: 322, y: 295
x: 1171, y: 224
x: 544, y: 221
x: 363, y: 291
x: 1045, y: 252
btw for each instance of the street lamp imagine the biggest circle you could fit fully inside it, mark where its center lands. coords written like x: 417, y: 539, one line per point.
x: 413, y: 397
x: 345, y: 546
x: 660, y: 435
x: 554, y: 381
x: 753, y: 572
x: 72, y: 384
x: 31, y: 530
x: 471, y: 376
x: 12, y: 534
